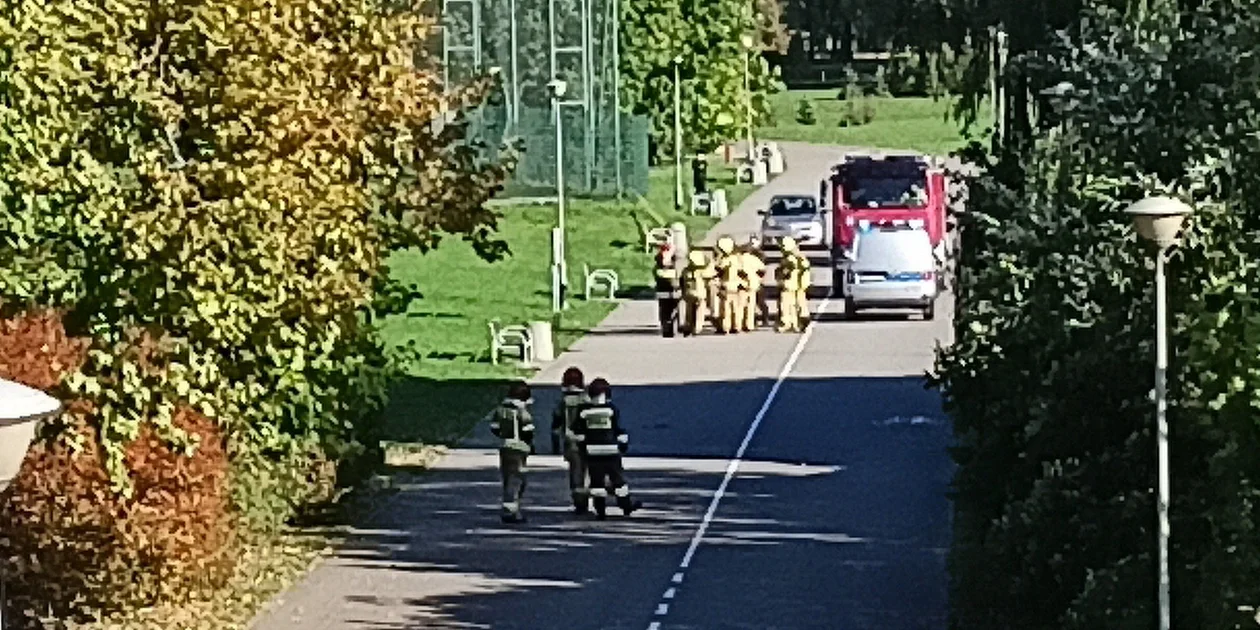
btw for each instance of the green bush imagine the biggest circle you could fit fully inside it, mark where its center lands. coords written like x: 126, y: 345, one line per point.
x: 805, y: 112
x: 707, y: 37
x: 881, y: 83
x: 857, y: 113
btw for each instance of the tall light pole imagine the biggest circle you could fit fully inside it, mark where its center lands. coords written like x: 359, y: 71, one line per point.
x: 21, y: 410
x: 559, y: 270
x: 1159, y: 220
x: 678, y: 186
x: 747, y: 41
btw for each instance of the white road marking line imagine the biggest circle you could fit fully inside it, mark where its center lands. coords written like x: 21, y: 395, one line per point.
x: 732, y: 468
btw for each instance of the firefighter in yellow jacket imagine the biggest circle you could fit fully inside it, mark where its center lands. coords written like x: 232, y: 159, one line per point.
x: 728, y: 271
x: 793, y: 277
x: 696, y: 278
x: 752, y: 270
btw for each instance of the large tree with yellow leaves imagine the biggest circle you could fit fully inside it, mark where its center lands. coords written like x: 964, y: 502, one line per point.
x: 229, y: 176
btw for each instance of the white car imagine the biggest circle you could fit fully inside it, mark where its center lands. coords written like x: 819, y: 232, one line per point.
x: 796, y: 216
x: 891, y: 268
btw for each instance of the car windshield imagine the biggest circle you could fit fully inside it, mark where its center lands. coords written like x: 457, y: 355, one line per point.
x: 886, y: 192
x: 792, y: 206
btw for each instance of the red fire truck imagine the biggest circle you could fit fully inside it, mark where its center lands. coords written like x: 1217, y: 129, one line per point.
x: 865, y: 191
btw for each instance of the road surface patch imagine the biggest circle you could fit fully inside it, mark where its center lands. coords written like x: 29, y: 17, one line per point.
x: 732, y: 468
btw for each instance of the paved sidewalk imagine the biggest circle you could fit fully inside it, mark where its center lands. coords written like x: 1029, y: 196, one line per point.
x: 438, y: 557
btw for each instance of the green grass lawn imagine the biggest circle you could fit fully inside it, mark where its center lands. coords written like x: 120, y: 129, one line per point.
x: 918, y: 124
x: 453, y: 383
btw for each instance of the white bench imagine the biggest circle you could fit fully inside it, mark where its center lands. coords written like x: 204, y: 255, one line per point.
x: 656, y: 237
x: 600, y: 279
x: 652, y: 237
x: 701, y: 203
x: 516, y: 339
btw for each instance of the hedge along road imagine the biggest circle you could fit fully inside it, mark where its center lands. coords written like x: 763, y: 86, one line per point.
x: 791, y: 481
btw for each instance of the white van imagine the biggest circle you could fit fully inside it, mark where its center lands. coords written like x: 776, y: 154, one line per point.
x: 892, y: 267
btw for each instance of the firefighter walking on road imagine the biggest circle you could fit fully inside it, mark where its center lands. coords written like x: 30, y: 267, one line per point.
x: 598, y: 430
x: 752, y: 274
x: 728, y: 271
x: 696, y: 278
x: 512, y: 423
x: 572, y: 397
x: 668, y: 291
x: 793, y: 278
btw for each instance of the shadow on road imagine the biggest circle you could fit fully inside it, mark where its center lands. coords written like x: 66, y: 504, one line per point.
x: 836, y: 519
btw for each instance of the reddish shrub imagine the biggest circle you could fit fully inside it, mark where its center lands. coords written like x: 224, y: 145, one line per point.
x: 35, y: 350
x: 75, y: 545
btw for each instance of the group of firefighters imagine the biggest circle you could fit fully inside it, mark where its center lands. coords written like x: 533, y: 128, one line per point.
x: 585, y: 428
x: 729, y: 291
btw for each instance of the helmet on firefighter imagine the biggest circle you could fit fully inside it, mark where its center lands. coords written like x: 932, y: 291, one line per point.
x: 726, y: 245
x: 599, y: 387
x: 665, y: 249
x: 573, y: 377
x: 695, y: 257
x: 519, y: 390
x: 788, y: 244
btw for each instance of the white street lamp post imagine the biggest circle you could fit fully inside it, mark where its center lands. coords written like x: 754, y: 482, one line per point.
x: 678, y: 186
x: 559, y: 271
x: 1159, y: 220
x: 21, y: 409
x: 748, y: 42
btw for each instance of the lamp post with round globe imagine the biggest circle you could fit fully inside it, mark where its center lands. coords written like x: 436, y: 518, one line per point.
x: 559, y: 268
x: 1159, y: 220
x: 748, y: 41
x: 22, y: 408
x: 678, y: 187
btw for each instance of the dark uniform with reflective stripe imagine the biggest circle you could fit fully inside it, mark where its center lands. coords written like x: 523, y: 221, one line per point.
x: 598, y: 430
x: 668, y: 294
x: 562, y: 421
x: 513, y: 423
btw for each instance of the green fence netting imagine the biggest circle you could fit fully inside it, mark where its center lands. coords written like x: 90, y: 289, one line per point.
x: 530, y: 43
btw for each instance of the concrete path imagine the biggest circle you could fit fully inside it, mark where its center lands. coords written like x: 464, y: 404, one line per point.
x: 791, y: 481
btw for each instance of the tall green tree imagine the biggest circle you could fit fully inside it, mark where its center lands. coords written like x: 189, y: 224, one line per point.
x: 706, y: 35
x: 1049, y: 380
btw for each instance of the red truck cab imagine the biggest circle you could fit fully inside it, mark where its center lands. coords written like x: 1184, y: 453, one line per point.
x: 865, y: 191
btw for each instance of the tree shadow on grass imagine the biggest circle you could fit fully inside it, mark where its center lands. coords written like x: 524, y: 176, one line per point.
x: 434, y: 315
x: 439, y: 411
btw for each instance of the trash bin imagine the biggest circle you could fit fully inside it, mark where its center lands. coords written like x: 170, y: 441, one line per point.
x: 544, y: 344
x: 774, y: 161
x: 678, y: 238
x: 759, y: 173
x: 717, y: 206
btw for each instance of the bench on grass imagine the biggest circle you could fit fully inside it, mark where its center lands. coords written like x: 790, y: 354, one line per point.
x: 600, y: 280
x: 514, y: 339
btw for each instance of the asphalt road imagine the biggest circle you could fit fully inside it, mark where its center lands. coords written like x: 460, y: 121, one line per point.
x: 791, y: 482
